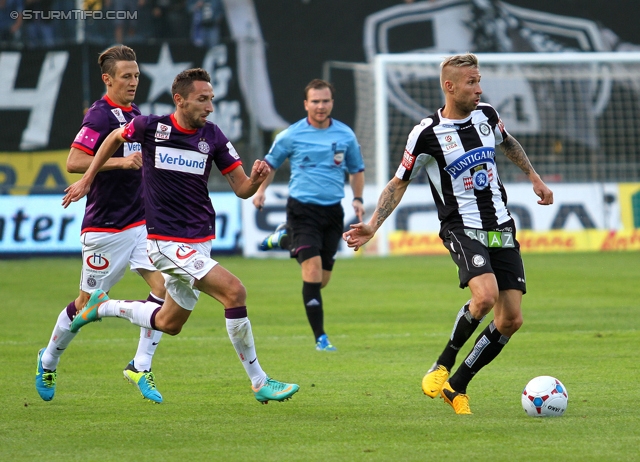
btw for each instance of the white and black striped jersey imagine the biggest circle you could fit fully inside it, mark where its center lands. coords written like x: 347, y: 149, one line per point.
x: 459, y: 157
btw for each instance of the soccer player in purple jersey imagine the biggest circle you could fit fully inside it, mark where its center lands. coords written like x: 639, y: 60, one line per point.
x: 178, y: 153
x: 456, y: 145
x: 113, y: 228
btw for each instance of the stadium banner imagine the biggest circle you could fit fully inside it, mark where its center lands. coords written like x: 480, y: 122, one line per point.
x: 38, y: 225
x: 591, y: 240
x: 630, y: 205
x: 35, y: 173
x: 584, y: 217
x: 46, y: 92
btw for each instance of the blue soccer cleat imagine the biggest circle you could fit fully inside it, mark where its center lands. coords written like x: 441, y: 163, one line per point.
x: 323, y: 344
x: 272, y: 390
x: 90, y: 311
x: 144, y: 380
x: 45, y: 379
x: 273, y: 240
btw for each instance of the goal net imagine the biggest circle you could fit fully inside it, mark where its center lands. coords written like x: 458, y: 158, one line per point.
x: 576, y: 114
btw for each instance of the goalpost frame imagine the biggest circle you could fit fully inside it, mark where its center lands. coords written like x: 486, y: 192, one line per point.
x: 382, y: 61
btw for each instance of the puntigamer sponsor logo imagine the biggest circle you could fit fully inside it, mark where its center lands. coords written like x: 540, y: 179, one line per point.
x: 180, y: 160
x: 470, y: 159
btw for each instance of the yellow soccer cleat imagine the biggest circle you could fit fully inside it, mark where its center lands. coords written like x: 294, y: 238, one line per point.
x: 458, y: 401
x: 434, y: 380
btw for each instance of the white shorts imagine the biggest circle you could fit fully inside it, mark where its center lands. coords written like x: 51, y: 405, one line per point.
x: 105, y: 257
x: 181, y: 265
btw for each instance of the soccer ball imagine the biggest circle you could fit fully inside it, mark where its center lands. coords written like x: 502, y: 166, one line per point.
x: 544, y: 396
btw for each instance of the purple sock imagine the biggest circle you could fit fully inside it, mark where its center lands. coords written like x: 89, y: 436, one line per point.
x: 154, y: 299
x: 153, y: 318
x: 71, y: 310
x: 238, y: 312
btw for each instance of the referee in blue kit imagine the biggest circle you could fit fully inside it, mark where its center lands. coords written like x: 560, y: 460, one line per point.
x: 320, y: 150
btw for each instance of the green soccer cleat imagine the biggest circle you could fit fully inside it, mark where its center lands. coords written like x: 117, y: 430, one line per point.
x: 272, y: 390
x: 45, y: 379
x: 433, y: 381
x: 90, y: 311
x: 145, y: 381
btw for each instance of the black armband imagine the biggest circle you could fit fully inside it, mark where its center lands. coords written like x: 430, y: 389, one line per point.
x: 358, y: 199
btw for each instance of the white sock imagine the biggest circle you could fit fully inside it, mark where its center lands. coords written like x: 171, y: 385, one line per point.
x: 138, y: 312
x: 241, y: 337
x: 60, y: 340
x: 147, y: 345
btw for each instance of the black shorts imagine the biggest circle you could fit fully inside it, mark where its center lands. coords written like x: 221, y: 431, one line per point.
x: 315, y: 230
x: 474, y: 258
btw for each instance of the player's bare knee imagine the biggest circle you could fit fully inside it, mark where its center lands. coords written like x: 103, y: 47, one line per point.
x: 516, y: 324
x: 235, y: 294
x: 508, y: 326
x: 172, y: 328
x: 482, y: 304
x: 173, y: 332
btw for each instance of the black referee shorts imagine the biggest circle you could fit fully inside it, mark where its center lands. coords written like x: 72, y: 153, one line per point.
x: 473, y: 259
x: 315, y: 230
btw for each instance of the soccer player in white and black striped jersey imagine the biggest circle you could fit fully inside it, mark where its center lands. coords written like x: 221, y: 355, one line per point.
x: 456, y: 146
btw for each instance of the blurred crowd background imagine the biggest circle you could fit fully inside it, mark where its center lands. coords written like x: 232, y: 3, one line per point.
x: 198, y: 22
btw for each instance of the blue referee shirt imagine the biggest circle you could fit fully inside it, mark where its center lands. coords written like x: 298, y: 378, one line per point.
x: 319, y: 158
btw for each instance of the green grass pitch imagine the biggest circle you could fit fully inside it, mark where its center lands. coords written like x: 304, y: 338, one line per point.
x: 389, y: 319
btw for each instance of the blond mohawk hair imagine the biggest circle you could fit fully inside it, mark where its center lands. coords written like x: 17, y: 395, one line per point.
x: 462, y: 60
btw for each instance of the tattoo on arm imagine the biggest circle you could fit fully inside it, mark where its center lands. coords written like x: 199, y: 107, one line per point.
x: 386, y: 204
x: 232, y: 178
x: 515, y: 153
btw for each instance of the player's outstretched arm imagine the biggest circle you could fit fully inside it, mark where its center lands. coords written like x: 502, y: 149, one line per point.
x: 515, y: 153
x: 79, y: 161
x: 80, y: 188
x: 361, y: 233
x: 357, y: 186
x: 259, y: 196
x: 246, y: 186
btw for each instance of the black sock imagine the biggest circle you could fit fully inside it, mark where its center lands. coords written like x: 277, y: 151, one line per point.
x: 285, y: 241
x: 488, y: 345
x: 464, y: 326
x: 313, y: 304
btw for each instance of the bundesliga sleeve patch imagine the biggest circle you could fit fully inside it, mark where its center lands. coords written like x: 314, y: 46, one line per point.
x: 128, y: 131
x: 87, y: 137
x: 408, y: 160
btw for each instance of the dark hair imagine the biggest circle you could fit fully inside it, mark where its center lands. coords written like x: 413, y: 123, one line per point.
x: 318, y: 84
x: 183, y: 83
x: 110, y: 57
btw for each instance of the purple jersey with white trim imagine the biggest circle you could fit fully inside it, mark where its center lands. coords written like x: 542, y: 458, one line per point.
x: 114, y: 202
x: 176, y: 165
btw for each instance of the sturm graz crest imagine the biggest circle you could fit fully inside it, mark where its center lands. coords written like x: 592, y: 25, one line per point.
x: 457, y: 26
